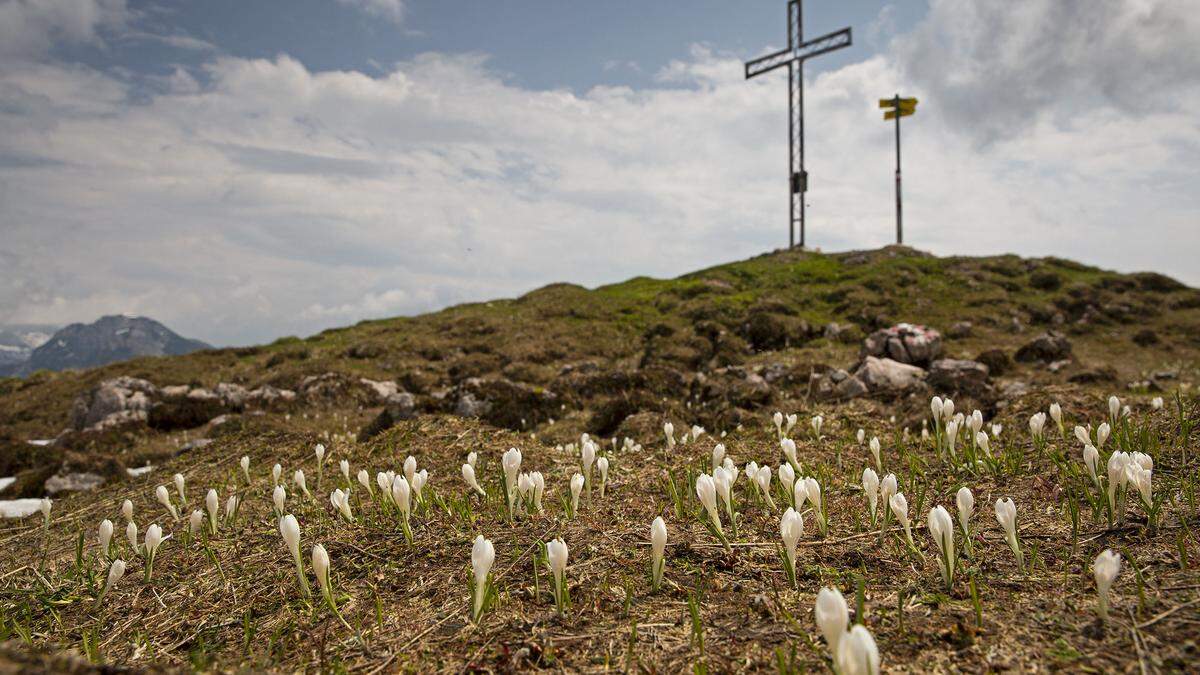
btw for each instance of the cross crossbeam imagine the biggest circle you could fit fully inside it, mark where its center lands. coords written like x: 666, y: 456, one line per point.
x: 797, y: 52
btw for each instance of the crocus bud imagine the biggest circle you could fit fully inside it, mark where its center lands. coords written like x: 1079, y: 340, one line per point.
x: 935, y: 407
x: 402, y: 496
x: 947, y: 408
x: 131, y: 533
x: 344, y: 466
x: 105, y: 537
x: 789, y: 451
x: 1006, y: 515
x: 875, y: 450
x: 1156, y: 403
x: 799, y: 493
x: 127, y: 510
x: 211, y: 505
x: 410, y: 468
x: 817, y: 423
x: 576, y: 489
x: 1102, y: 433
x: 1091, y: 460
x: 245, y: 464
x: 164, y: 498
x: 556, y: 556
x: 231, y: 508
x: 718, y: 455
x: 762, y: 478
x: 941, y: 529
x: 981, y: 439
x: 418, y: 482
x: 179, y: 487
x: 870, y: 485
x: 1056, y: 413
x: 1106, y: 568
x: 320, y: 563
x: 115, y: 572
x: 341, y: 502
x: 602, y: 465
x: 669, y: 432
x: 472, y: 458
x: 319, y: 451
x: 1082, y: 434
x: 154, y: 537
x: 276, y: 472
x: 539, y: 488
x: 787, y: 477
x: 587, y: 457
x: 1114, y: 409
x: 860, y: 436
x: 385, y: 484
x: 289, y: 529
x: 790, y: 423
x: 194, y: 522
x: 483, y: 554
x: 279, y: 496
x: 658, y: 544
x: 778, y: 420
x: 996, y: 429
x: 966, y: 507
x: 791, y: 528
x: 857, y: 653
x: 899, y: 507
x: 468, y: 474
x: 832, y: 616
x: 511, y: 462
x: 364, y: 479
x: 706, y: 492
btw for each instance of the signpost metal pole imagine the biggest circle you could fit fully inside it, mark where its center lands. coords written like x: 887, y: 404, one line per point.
x: 895, y: 108
x: 794, y: 56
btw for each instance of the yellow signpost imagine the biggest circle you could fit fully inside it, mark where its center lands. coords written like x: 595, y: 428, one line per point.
x: 895, y: 108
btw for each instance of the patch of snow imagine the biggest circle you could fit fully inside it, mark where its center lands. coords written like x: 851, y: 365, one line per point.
x: 19, y: 508
x: 5, y: 482
x: 40, y: 441
x: 141, y: 470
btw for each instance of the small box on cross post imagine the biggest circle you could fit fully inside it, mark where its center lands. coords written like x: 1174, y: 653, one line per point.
x: 799, y: 182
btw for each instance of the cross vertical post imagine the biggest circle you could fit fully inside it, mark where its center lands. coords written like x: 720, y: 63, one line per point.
x: 895, y: 108
x: 794, y: 56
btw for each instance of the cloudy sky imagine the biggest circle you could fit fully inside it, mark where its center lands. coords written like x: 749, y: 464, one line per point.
x: 245, y: 170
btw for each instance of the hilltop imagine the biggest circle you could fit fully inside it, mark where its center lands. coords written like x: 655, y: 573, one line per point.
x: 863, y: 339
x: 109, y: 339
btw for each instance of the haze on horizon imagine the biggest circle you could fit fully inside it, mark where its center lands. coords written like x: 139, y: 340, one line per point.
x: 242, y: 172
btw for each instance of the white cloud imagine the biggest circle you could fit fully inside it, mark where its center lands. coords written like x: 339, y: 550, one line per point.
x: 391, y: 10
x: 32, y: 27
x: 265, y: 199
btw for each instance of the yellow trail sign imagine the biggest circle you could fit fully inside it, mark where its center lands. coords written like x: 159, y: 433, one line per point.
x: 891, y: 103
x: 891, y: 114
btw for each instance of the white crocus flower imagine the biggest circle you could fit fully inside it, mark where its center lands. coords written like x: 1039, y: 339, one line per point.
x: 341, y: 502
x: 996, y: 429
x: 697, y: 430
x: 1141, y: 479
x: 1081, y: 433
x: 790, y: 423
x: 951, y: 436
x: 154, y: 537
x: 966, y: 507
x: 787, y: 478
x: 244, y: 462
x: 935, y: 407
x: 875, y: 450
x: 468, y: 474
x: 602, y: 465
x: 131, y: 533
x: 762, y: 478
x: 472, y: 458
x: 577, y: 482
x: 301, y: 482
x: 817, y: 423
x: 1114, y: 410
x: 179, y: 488
x: 975, y: 423
x: 127, y: 510
x: 115, y: 572
x: 789, y: 451
x: 723, y: 482
x: 706, y: 492
x: 276, y: 472
x: 669, y: 432
x: 832, y: 615
x: 791, y: 528
x: 402, y: 497
x: 419, y: 480
x: 410, y: 468
x: 364, y: 479
x: 981, y: 439
x: 1102, y: 433
x: 105, y: 537
x: 587, y: 457
x: 279, y: 497
x: 289, y: 529
x: 483, y: 554
x: 860, y: 435
x: 658, y: 545
x: 212, y: 506
x: 778, y: 420
x: 1091, y: 460
x: 231, y: 509
x: 718, y: 455
x: 164, y: 498
x: 1106, y: 568
x: 511, y: 463
x: 941, y: 529
x: 813, y: 489
x: 556, y: 557
x: 525, y: 489
x: 857, y: 653
x: 870, y: 485
x: 1006, y: 515
x: 1156, y: 403
x: 195, y: 522
x: 1056, y: 415
x: 1037, y: 423
x: 1117, y: 477
x: 899, y: 509
x: 319, y: 451
x: 539, y: 488
x: 344, y: 466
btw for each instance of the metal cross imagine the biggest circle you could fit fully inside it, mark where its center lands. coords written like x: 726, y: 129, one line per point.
x: 797, y: 52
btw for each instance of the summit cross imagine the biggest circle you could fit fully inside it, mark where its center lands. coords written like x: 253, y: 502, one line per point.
x: 797, y: 52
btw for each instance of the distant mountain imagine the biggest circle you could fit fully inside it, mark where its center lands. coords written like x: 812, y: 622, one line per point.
x: 17, y: 342
x: 109, y: 339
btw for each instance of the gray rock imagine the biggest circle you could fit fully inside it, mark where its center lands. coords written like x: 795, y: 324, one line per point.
x: 958, y: 376
x: 1047, y: 347
x: 905, y: 343
x: 233, y: 395
x: 888, y: 376
x: 123, y: 399
x: 73, y: 482
x: 382, y: 389
x: 851, y: 387
x: 196, y: 444
x: 961, y: 329
x: 469, y: 406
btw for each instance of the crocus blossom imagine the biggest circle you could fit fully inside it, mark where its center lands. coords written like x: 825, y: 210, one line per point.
x: 164, y: 498
x: 556, y: 558
x: 115, y: 571
x: 941, y: 529
x: 105, y: 537
x: 791, y: 528
x: 658, y: 545
x: 468, y: 474
x: 289, y: 529
x: 832, y: 616
x: 1106, y: 568
x: 870, y: 486
x: 483, y: 554
x: 857, y: 653
x: 706, y: 492
x: 1006, y: 515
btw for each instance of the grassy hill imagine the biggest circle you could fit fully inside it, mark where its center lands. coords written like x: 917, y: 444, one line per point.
x: 618, y: 361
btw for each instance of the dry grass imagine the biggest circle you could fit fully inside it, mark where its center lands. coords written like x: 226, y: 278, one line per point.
x: 408, y: 603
